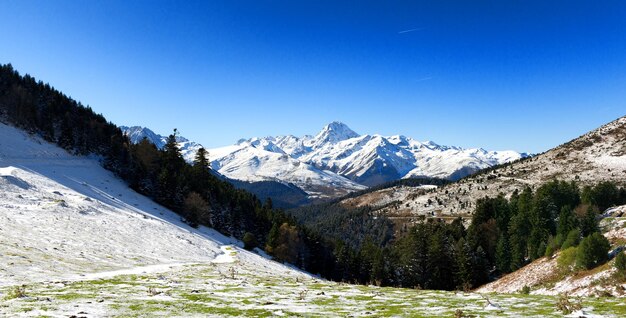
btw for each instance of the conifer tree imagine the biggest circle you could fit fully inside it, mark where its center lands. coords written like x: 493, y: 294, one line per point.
x: 503, y: 254
x: 592, y: 251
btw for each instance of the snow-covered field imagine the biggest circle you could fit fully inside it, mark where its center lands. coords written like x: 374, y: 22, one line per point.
x: 75, y: 241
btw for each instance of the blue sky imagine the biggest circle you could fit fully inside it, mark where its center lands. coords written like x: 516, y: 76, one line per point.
x: 522, y: 75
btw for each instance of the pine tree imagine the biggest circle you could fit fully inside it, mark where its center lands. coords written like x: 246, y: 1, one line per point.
x: 519, y: 231
x: 464, y: 265
x: 503, y: 254
x: 440, y: 262
x: 620, y: 263
x: 567, y: 222
x: 592, y: 251
x: 201, y: 160
x: 196, y: 210
x: 572, y: 239
x: 171, y: 178
x: 589, y: 223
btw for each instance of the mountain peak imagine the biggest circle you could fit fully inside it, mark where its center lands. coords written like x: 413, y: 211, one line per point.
x: 138, y: 133
x: 334, y: 132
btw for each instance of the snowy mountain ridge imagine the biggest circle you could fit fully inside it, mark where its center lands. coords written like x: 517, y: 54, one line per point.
x: 337, y: 160
x: 137, y: 133
x: 366, y: 160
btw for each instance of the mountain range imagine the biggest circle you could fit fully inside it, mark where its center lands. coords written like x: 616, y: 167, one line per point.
x: 337, y: 160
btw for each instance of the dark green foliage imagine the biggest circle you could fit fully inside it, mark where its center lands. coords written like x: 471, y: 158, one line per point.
x: 464, y: 265
x: 567, y: 221
x: 572, y: 239
x: 196, y: 210
x: 604, y: 195
x: 284, y: 196
x: 519, y: 230
x: 503, y: 255
x: 532, y: 225
x: 249, y: 241
x: 551, y: 247
x: 592, y: 251
x: 588, y: 219
x: 351, y: 225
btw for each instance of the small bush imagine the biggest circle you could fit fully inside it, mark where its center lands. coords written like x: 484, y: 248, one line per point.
x: 525, y: 290
x: 566, y: 306
x: 572, y: 239
x: 620, y: 262
x: 567, y: 260
x: 16, y: 292
x: 249, y: 241
x: 551, y: 247
x: 620, y: 265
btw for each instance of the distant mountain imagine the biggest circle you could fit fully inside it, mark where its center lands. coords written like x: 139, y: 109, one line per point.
x: 284, y: 195
x: 337, y: 160
x: 340, y: 158
x: 137, y: 134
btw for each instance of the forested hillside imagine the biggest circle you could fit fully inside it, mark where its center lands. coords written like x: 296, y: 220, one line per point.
x: 163, y: 175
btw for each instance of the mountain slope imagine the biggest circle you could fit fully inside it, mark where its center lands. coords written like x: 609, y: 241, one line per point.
x: 262, y: 160
x: 543, y: 276
x: 64, y: 217
x: 599, y: 155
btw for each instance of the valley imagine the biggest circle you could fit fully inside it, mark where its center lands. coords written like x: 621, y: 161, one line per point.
x: 114, y: 253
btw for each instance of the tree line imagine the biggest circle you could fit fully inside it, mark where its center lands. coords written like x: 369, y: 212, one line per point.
x: 503, y: 236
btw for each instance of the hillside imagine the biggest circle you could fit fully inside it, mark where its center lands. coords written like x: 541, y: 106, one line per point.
x: 76, y: 241
x: 599, y: 155
x: 544, y: 277
x: 63, y: 217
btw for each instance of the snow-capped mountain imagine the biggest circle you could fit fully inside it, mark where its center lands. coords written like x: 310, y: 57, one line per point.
x: 337, y: 160
x: 263, y: 160
x: 137, y: 134
x: 364, y: 159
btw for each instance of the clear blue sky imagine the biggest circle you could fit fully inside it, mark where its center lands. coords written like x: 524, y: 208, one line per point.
x: 522, y: 75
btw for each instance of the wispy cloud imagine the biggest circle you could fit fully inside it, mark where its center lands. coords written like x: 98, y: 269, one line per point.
x: 424, y: 79
x: 411, y: 30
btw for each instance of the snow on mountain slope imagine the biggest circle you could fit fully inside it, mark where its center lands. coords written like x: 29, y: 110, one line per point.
x: 337, y: 160
x: 368, y: 159
x: 263, y: 161
x: 82, y: 244
x: 66, y: 217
